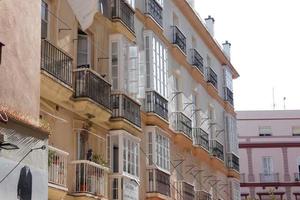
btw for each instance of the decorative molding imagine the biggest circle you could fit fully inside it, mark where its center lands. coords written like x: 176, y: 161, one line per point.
x: 269, y: 145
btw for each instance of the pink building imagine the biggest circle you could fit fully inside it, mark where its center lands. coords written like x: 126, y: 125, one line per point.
x: 269, y: 144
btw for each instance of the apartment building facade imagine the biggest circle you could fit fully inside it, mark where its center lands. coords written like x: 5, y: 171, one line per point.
x: 23, y: 139
x: 269, y: 154
x: 138, y: 96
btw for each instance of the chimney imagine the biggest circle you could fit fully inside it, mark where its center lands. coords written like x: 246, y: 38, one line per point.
x: 209, y: 22
x: 226, y: 49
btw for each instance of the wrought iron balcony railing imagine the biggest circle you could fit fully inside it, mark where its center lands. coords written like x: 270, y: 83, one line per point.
x: 123, y: 12
x: 233, y: 161
x: 217, y: 149
x: 90, y: 178
x: 57, y: 166
x: 197, y: 60
x: 89, y: 84
x: 212, y: 77
x: 203, y: 195
x: 184, y: 191
x: 155, y: 10
x: 201, y: 138
x: 56, y: 62
x: 228, y: 95
x: 158, y: 182
x: 182, y: 123
x: 155, y: 103
x: 124, y: 107
x: 269, y: 177
x: 178, y: 38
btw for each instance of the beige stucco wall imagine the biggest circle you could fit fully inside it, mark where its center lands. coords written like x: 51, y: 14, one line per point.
x: 20, y: 68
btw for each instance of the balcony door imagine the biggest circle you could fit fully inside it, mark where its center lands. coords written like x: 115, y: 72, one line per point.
x: 44, y: 20
x: 83, y: 50
x: 267, y: 169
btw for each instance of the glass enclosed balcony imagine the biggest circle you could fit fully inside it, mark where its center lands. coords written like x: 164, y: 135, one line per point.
x: 184, y: 191
x: 158, y: 182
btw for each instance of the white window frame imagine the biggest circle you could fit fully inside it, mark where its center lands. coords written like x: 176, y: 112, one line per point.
x: 296, y: 130
x: 156, y: 64
x: 158, y: 149
x: 88, y: 52
x: 130, y: 166
x: 265, y: 131
x: 47, y: 21
x: 267, y: 169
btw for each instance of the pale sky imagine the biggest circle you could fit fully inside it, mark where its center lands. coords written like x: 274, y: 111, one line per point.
x: 265, y: 38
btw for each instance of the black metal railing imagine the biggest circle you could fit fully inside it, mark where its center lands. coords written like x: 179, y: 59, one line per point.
x: 182, y: 123
x: 89, y: 84
x: 233, y: 161
x: 212, y: 77
x: 158, y: 182
x: 269, y: 177
x: 201, y: 138
x: 197, y: 60
x: 178, y: 38
x: 297, y: 176
x: 124, y: 107
x: 185, y: 191
x: 228, y: 95
x: 122, y: 11
x: 157, y: 104
x: 155, y: 10
x: 56, y: 62
x: 217, y: 149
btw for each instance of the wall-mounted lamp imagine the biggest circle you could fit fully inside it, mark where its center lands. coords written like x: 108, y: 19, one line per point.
x: 6, y: 145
